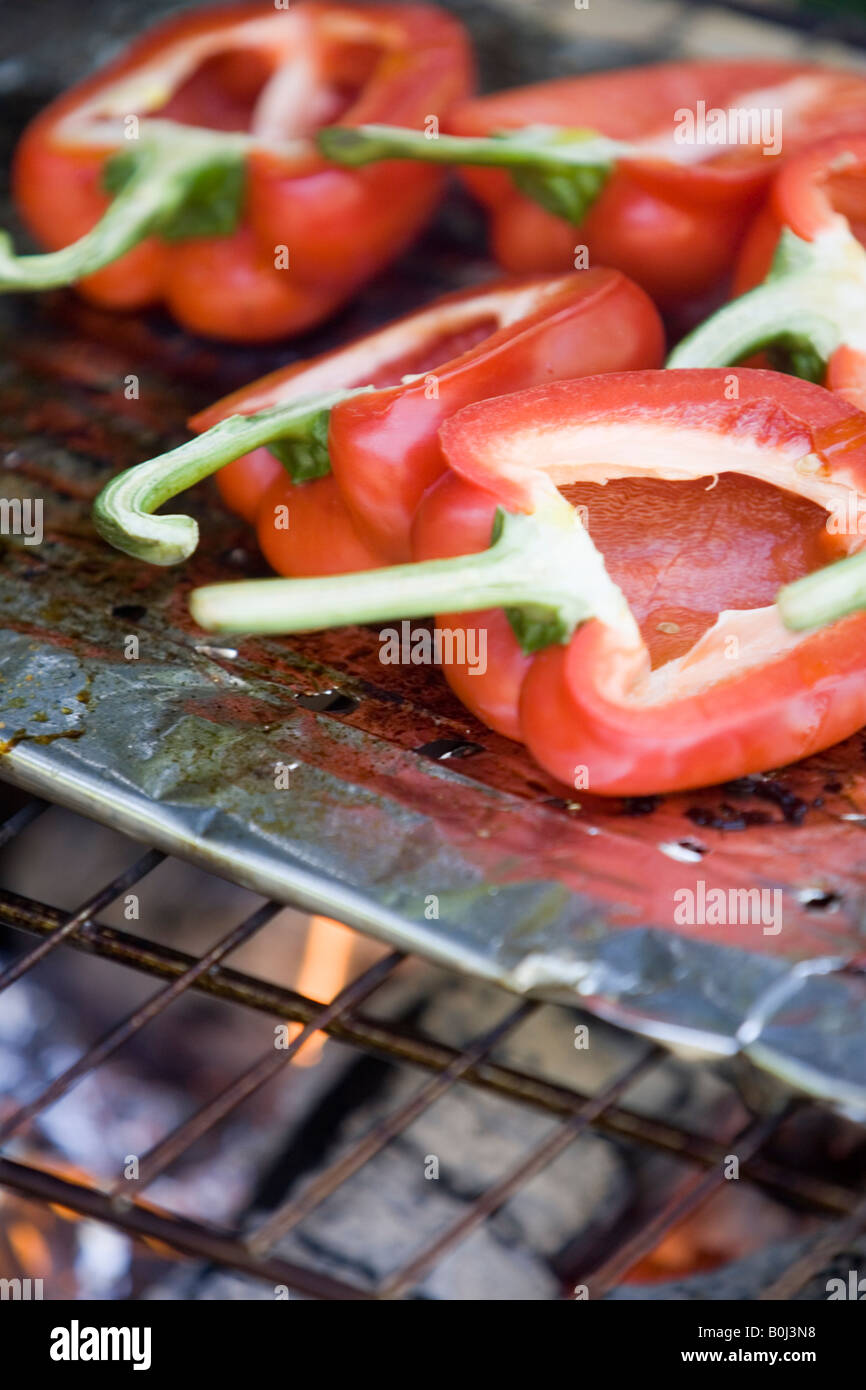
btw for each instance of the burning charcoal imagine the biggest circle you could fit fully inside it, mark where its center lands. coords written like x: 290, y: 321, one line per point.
x: 742, y: 1279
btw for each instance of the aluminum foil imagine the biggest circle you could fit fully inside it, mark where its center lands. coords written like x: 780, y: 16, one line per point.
x: 306, y: 770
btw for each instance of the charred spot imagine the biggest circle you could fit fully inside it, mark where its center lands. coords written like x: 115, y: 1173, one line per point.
x: 792, y: 807
x: 640, y: 805
x: 820, y: 902
x: 237, y: 558
x: 558, y: 803
x: 727, y: 817
x: 742, y: 786
x: 694, y: 845
x: 332, y: 701
x: 130, y: 612
x: 443, y: 749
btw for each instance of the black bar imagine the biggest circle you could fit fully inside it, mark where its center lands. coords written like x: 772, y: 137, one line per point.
x: 237, y: 1338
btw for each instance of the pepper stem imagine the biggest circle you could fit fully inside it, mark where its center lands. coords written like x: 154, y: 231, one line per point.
x: 188, y: 184
x: 122, y: 513
x: 563, y: 170
x: 541, y: 567
x: 812, y: 301
x: 820, y: 598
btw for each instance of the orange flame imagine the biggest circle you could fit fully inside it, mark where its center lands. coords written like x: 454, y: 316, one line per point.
x: 324, y: 970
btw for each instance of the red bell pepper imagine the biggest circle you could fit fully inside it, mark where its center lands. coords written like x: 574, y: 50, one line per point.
x: 810, y: 309
x: 606, y: 160
x: 202, y: 132
x: 342, y: 411
x: 747, y: 695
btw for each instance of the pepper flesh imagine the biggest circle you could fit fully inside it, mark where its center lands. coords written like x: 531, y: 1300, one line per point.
x: 748, y: 695
x: 670, y: 215
x: 256, y: 82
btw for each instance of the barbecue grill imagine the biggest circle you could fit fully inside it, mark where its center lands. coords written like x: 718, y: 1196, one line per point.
x: 396, y: 795
x: 694, y: 1162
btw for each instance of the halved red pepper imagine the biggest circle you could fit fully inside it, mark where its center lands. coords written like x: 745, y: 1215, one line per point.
x: 803, y: 276
x: 747, y: 695
x: 222, y: 207
x: 342, y: 411
x: 605, y: 160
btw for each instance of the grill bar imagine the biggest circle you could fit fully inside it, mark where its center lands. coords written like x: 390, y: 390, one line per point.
x: 330, y: 1179
x: 186, y: 1237
x: 252, y: 1254
x: 692, y: 1194
x: 497, y: 1195
x: 28, y: 813
x: 829, y: 1242
x: 96, y: 903
x: 128, y: 1027
x: 162, y: 1155
x: 395, y: 1043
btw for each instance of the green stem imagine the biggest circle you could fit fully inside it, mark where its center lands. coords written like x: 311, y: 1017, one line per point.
x: 812, y: 301
x: 123, y: 510
x: 564, y: 170
x: 543, y: 568
x: 188, y: 185
x: 755, y: 321
x: 822, y: 597
x: 529, y: 148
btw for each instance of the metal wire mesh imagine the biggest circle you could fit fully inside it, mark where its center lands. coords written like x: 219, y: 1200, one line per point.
x: 252, y: 1252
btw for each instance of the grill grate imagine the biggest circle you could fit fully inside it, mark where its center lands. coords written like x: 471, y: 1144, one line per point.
x: 252, y: 1252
